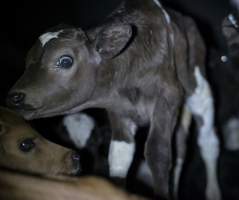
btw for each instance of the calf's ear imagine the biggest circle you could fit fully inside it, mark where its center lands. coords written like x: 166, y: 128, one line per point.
x: 113, y: 39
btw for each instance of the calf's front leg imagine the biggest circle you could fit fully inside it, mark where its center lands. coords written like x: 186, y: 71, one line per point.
x: 122, y: 145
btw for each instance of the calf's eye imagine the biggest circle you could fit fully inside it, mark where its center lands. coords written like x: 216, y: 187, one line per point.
x: 64, y: 61
x: 27, y: 145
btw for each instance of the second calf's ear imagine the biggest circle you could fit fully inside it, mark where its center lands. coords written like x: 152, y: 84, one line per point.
x: 113, y: 39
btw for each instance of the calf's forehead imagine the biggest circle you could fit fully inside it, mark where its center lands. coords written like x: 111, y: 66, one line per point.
x: 57, y: 46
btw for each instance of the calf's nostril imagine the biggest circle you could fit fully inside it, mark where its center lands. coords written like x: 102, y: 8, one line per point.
x: 75, y: 157
x: 16, y: 98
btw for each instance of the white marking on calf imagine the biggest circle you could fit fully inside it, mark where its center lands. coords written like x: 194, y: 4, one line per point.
x: 201, y: 104
x: 167, y: 17
x: 46, y: 37
x: 79, y: 127
x: 231, y: 134
x: 233, y: 20
x: 120, y: 157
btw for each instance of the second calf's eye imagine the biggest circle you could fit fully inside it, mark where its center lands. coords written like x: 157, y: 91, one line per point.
x: 27, y: 145
x: 65, y: 62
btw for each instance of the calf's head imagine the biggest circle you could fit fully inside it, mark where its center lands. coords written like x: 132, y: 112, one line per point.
x: 22, y: 148
x: 61, y: 69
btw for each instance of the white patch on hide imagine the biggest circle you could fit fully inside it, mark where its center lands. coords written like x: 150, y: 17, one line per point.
x: 167, y: 17
x: 46, y: 37
x: 231, y: 134
x: 233, y: 20
x: 144, y: 174
x: 120, y: 157
x: 79, y: 126
x: 201, y: 104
